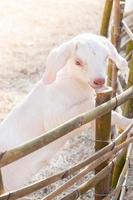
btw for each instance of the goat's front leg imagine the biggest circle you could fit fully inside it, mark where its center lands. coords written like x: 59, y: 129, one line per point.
x: 121, y: 121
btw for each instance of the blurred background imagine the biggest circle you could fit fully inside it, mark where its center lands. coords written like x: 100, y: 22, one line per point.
x: 29, y: 29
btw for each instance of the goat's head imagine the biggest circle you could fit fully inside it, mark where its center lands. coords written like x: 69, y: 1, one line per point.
x: 84, y: 58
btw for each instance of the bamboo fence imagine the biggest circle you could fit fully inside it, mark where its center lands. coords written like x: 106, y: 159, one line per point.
x: 108, y: 154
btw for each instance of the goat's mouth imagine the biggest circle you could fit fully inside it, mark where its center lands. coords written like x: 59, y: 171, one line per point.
x: 96, y: 86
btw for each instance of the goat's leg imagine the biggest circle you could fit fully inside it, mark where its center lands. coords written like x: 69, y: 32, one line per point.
x: 121, y: 121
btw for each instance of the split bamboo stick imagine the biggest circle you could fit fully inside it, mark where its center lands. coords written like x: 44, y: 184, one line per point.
x: 103, y: 134
x: 41, y: 141
x: 45, y: 182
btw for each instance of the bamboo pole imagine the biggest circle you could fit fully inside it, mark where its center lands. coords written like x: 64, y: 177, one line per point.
x: 45, y: 182
x: 128, y: 106
x: 116, y: 30
x: 1, y: 184
x: 92, y: 182
x: 120, y: 188
x: 46, y: 138
x: 128, y: 112
x: 106, y: 18
x: 125, y: 168
x: 103, y: 134
x: 123, y: 190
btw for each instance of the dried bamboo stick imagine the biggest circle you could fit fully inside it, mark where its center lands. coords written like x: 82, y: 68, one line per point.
x: 127, y: 29
x: 92, y: 182
x: 123, y: 190
x: 106, y: 18
x: 45, y: 182
x: 113, y: 194
x: 41, y: 141
x: 123, y: 178
x: 91, y: 167
x: 103, y: 133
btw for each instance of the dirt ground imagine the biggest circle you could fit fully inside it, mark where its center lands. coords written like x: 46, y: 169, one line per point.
x: 29, y: 29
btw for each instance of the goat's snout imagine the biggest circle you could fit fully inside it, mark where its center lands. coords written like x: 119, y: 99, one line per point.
x: 99, y: 81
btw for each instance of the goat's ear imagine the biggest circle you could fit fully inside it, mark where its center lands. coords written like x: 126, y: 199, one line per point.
x: 55, y: 61
x: 120, y: 62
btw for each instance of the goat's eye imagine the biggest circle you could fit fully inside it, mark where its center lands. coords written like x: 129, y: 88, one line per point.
x: 77, y: 62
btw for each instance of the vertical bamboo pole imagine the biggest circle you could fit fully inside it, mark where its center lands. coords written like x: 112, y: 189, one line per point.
x: 128, y: 112
x: 128, y: 106
x: 103, y: 136
x: 115, y: 39
x: 106, y: 18
x: 1, y: 184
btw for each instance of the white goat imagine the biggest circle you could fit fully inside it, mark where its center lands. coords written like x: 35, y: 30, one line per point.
x: 74, y: 70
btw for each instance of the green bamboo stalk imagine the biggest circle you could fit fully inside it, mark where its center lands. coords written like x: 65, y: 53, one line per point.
x: 45, y: 182
x: 46, y: 138
x: 128, y: 106
x: 115, y: 38
x: 127, y: 112
x: 103, y: 128
x: 106, y: 18
x: 129, y: 47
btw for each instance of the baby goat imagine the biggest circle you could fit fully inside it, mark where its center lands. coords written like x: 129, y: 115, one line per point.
x: 73, y: 71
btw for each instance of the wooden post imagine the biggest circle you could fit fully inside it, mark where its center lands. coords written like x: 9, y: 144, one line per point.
x: 103, y: 136
x: 106, y: 18
x: 1, y: 184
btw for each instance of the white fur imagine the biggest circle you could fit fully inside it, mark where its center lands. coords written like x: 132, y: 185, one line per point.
x: 129, y: 6
x: 70, y: 93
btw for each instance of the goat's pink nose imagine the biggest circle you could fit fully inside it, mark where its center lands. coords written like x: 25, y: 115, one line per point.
x: 99, y: 81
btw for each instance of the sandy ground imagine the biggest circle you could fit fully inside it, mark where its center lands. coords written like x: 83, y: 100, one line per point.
x: 29, y: 29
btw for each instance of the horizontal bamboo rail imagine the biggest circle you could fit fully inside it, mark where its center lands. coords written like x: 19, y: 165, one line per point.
x: 91, y: 167
x: 120, y: 190
x: 45, y: 182
x: 41, y: 141
x: 92, y: 182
